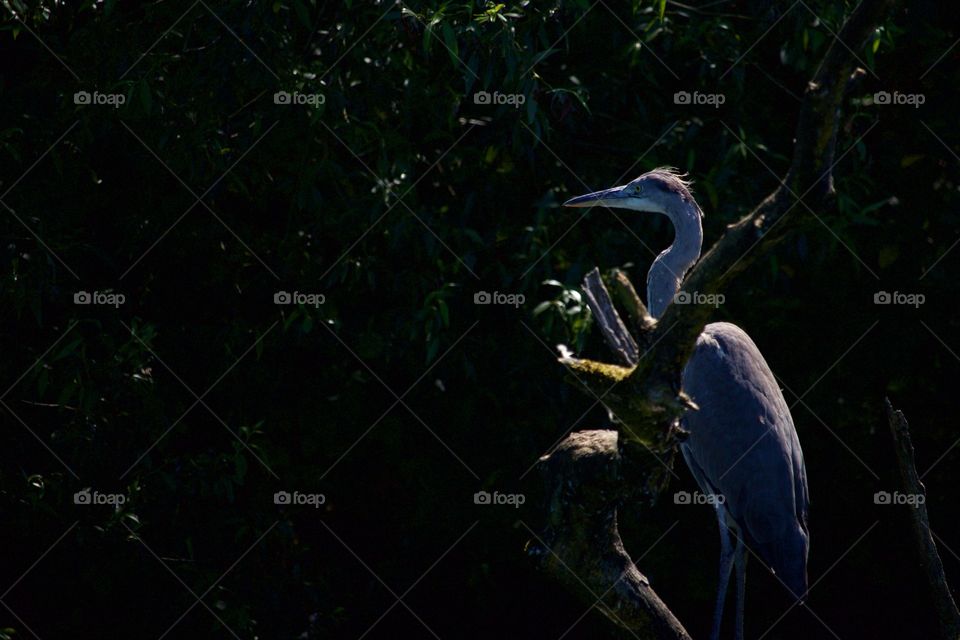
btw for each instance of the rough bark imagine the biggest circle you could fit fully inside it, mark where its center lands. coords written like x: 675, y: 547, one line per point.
x: 947, y: 613
x: 627, y: 297
x: 619, y: 340
x: 581, y: 546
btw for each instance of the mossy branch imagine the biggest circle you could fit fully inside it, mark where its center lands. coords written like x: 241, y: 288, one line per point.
x: 581, y: 547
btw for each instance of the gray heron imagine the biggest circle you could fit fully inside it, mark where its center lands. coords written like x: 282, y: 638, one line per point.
x: 742, y: 446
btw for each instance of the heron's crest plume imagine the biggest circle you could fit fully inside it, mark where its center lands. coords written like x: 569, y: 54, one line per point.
x: 672, y: 181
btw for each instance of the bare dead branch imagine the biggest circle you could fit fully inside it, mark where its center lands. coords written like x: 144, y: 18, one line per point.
x: 947, y: 612
x: 626, y: 296
x: 619, y: 340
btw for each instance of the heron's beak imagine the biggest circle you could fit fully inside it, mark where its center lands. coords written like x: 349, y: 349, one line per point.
x: 608, y: 197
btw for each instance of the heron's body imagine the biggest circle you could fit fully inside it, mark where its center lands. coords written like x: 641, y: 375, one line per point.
x: 742, y: 446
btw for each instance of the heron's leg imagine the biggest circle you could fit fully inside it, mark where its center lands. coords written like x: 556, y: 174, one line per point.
x: 726, y: 564
x: 740, y: 561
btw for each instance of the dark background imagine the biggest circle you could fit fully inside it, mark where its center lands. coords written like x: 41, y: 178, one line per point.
x: 398, y: 199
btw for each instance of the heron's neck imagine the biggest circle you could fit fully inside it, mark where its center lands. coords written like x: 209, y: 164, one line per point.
x: 666, y: 273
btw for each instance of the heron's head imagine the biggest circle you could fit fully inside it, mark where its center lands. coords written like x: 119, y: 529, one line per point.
x: 660, y: 190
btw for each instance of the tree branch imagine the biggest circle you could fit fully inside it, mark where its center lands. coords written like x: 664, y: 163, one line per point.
x: 947, y: 612
x: 619, y: 340
x: 627, y: 296
x: 581, y: 546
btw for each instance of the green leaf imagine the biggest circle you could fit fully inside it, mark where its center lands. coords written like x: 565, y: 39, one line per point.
x: 444, y: 312
x: 543, y: 306
x: 870, y: 208
x: 888, y: 256
x: 908, y: 160
x: 531, y: 109
x: 450, y: 39
x: 288, y: 320
x: 67, y: 349
x: 471, y: 76
x: 712, y: 194
x: 67, y: 394
x: 302, y: 14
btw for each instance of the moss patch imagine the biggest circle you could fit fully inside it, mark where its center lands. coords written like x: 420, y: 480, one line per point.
x: 612, y: 372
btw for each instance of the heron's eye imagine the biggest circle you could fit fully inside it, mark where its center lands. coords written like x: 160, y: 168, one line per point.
x: 637, y: 189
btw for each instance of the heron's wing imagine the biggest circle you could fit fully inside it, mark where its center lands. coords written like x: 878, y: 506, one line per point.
x: 802, y: 491
x: 743, y: 442
x: 698, y: 474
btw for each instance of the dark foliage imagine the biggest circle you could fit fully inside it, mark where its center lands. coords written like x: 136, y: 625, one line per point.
x: 388, y: 187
